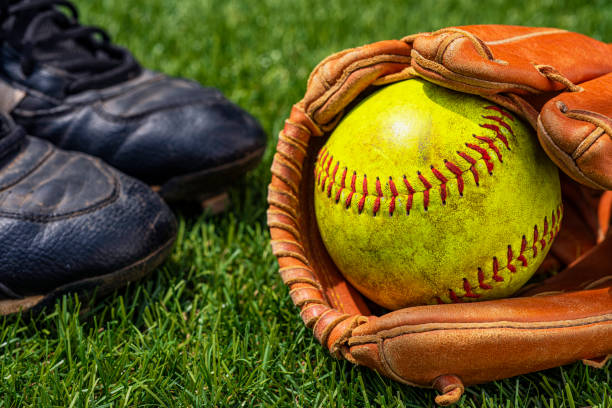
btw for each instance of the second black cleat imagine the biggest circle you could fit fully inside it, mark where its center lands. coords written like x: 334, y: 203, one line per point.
x: 70, y: 223
x: 69, y: 84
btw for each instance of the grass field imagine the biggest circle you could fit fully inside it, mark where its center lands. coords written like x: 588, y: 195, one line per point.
x: 215, y: 326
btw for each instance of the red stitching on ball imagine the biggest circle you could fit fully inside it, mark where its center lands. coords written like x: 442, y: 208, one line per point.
x: 472, y: 161
x: 500, y: 121
x: 535, y: 241
x: 333, y: 178
x: 458, y: 173
x: 521, y: 256
x: 365, y: 194
x: 496, y: 277
x: 552, y: 228
x: 410, y: 195
x: 394, y: 196
x: 425, y: 182
x: 492, y: 146
x: 324, y: 155
x: 498, y: 134
x: 468, y: 290
x: 350, y: 196
x: 320, y: 153
x: 330, y: 158
x: 481, y: 282
x: 501, y: 111
x: 325, y: 170
x: 453, y: 296
x: 335, y: 171
x: 468, y: 158
x: 325, y: 176
x: 443, y: 181
x: 427, y: 186
x: 484, y: 154
x: 348, y: 199
x: 510, y: 267
x: 378, y: 187
x: 378, y: 195
x: 544, y: 233
x: 342, y: 184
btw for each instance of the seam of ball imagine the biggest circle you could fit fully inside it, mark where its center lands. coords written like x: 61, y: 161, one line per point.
x: 326, y: 176
x: 542, y: 238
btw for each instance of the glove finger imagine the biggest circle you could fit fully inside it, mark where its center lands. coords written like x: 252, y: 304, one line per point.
x: 575, y: 129
x: 492, y: 59
x: 338, y: 79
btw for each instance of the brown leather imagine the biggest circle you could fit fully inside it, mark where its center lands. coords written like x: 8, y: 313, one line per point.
x: 495, y: 59
x: 339, y: 78
x: 485, y: 341
x: 575, y: 129
x: 447, y: 346
x: 523, y: 68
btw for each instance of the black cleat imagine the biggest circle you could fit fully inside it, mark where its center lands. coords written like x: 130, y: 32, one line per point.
x: 69, y: 84
x: 71, y: 223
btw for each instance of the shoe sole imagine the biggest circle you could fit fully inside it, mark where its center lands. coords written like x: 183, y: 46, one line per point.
x: 208, y: 186
x: 94, y: 287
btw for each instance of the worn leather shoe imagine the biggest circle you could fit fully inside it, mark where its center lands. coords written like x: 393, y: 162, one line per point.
x: 71, y: 223
x: 69, y: 84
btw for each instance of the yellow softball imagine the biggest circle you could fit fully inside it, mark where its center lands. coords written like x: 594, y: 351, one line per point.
x: 426, y: 195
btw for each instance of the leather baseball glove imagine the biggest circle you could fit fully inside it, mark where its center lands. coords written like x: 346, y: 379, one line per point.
x: 559, y: 82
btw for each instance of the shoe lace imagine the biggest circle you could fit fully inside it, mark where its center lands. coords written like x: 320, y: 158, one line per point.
x: 42, y: 32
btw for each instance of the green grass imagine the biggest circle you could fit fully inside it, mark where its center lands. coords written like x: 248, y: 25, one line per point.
x: 215, y: 326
